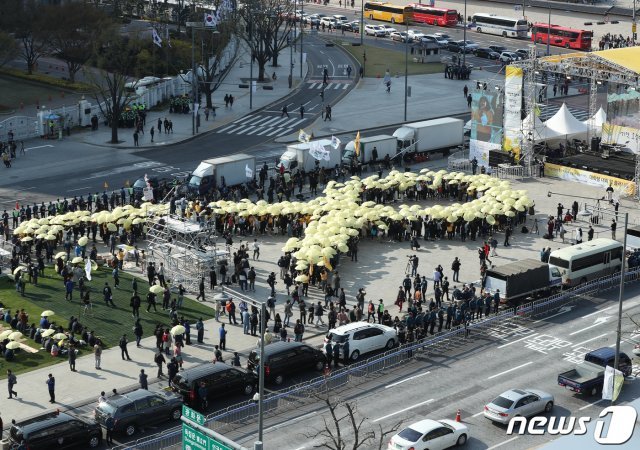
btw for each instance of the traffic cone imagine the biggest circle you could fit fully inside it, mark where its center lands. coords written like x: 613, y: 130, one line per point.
x: 458, y: 418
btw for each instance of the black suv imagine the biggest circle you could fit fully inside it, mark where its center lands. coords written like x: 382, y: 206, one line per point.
x: 220, y: 380
x: 56, y: 430
x: 284, y: 358
x: 138, y: 409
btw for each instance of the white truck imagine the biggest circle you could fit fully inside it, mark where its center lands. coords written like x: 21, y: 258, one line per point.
x: 297, y: 156
x: 383, y: 143
x: 430, y: 135
x: 234, y: 169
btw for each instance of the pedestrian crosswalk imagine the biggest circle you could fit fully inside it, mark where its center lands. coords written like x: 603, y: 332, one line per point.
x: 331, y: 86
x: 547, y: 111
x: 264, y: 124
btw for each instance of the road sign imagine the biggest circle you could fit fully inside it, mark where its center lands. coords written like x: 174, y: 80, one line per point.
x: 517, y: 7
x: 193, y: 415
x: 193, y: 439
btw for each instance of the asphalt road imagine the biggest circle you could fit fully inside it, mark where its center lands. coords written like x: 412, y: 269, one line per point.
x: 471, y: 375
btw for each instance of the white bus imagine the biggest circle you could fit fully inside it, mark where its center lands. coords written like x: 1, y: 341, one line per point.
x: 502, y: 26
x: 587, y: 261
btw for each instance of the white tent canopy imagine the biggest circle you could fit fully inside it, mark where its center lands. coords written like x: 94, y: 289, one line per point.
x: 540, y: 131
x: 563, y: 123
x: 597, y: 120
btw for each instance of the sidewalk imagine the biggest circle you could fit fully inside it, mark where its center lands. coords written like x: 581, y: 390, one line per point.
x: 183, y: 123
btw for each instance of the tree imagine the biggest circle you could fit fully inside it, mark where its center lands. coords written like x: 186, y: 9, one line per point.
x: 74, y: 28
x: 29, y: 26
x: 262, y: 19
x: 115, y: 59
x: 355, y: 436
x: 211, y: 74
x: 8, y: 48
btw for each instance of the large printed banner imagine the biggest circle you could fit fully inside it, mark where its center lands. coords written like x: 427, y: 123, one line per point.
x: 486, y: 117
x: 624, y: 187
x: 513, y: 111
x: 480, y: 151
x: 617, y: 134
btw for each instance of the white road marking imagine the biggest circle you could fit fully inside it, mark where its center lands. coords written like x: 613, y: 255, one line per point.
x: 521, y: 339
x: 564, y: 309
x: 478, y: 414
x: 502, y: 443
x: 402, y: 410
x: 510, y: 370
x: 599, y: 321
x: 590, y: 404
x: 598, y: 312
x: 39, y: 146
x: 79, y: 189
x: 406, y: 379
x: 589, y: 340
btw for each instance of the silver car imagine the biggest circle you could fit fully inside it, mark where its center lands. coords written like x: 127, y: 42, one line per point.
x: 518, y: 403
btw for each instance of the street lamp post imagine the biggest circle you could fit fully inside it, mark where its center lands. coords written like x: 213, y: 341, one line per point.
x: 250, y: 62
x: 620, y: 293
x: 263, y: 325
x: 362, y: 22
x: 301, y: 39
x: 406, y: 70
x: 194, y: 81
x: 464, y: 35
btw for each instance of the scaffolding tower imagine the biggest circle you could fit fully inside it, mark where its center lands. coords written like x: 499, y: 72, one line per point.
x: 187, y: 249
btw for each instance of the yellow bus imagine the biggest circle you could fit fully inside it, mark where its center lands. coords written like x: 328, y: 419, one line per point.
x: 388, y: 12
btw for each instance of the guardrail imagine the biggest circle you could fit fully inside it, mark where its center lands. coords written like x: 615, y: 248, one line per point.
x: 299, y: 395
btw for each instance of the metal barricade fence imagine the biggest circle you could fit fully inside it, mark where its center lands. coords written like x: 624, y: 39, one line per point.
x: 300, y: 394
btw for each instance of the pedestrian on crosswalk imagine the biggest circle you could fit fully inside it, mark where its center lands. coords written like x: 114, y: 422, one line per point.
x: 302, y: 111
x: 285, y: 112
x: 322, y: 94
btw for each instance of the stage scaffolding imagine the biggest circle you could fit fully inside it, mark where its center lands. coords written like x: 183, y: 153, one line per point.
x: 186, y: 248
x: 592, y: 66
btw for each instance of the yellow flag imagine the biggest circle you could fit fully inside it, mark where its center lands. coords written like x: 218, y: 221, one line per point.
x: 310, y: 268
x: 356, y: 144
x: 327, y: 264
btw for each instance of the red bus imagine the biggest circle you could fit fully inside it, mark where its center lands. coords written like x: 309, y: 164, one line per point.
x: 561, y: 36
x: 434, y: 16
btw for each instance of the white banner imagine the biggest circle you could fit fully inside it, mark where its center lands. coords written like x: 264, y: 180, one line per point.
x: 480, y: 151
x: 316, y: 149
x: 87, y: 269
x: 248, y: 171
x: 613, y: 381
x: 620, y: 186
x: 335, y: 142
x: 147, y: 194
x: 513, y: 110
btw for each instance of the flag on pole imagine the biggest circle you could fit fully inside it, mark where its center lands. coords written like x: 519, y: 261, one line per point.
x: 248, y: 171
x: 156, y: 38
x: 613, y: 381
x: 209, y: 20
x: 316, y: 150
x: 87, y: 269
x: 356, y: 144
x: 303, y: 137
x: 335, y: 142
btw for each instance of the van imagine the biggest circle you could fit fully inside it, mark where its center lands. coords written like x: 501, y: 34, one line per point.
x: 220, y: 380
x: 340, y: 19
x: 56, y: 430
x: 282, y: 359
x: 587, y: 261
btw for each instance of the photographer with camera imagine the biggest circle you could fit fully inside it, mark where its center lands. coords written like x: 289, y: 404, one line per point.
x: 413, y: 265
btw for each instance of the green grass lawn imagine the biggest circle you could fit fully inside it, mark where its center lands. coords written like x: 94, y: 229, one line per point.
x: 17, y: 92
x: 109, y: 323
x: 381, y: 59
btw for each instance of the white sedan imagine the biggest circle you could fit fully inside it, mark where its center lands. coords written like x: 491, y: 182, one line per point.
x: 388, y: 29
x: 430, y: 434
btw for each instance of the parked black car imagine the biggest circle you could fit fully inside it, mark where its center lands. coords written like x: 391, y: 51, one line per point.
x: 498, y: 48
x: 350, y: 26
x: 486, y: 53
x: 220, y: 380
x: 282, y: 359
x: 57, y: 430
x: 138, y: 409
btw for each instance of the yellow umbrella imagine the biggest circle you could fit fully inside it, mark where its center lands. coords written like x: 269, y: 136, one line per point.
x: 77, y: 260
x: 83, y: 241
x: 302, y: 278
x: 18, y: 269
x: 47, y: 333
x: 112, y: 227
x: 47, y: 313
x: 178, y: 329
x: 26, y: 239
x: 15, y: 335
x: 156, y: 289
x: 5, y: 334
x: 50, y: 237
x: 60, y: 336
x: 62, y: 255
x: 13, y: 345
